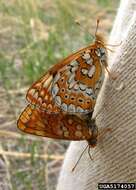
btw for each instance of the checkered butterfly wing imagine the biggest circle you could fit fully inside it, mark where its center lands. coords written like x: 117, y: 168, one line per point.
x: 71, y: 85
x: 58, y: 125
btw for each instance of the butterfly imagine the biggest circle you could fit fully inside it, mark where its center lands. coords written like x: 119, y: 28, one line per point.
x: 61, y: 103
x: 73, y: 84
x: 58, y: 125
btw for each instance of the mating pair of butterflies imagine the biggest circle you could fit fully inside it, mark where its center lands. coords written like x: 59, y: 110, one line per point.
x: 61, y: 103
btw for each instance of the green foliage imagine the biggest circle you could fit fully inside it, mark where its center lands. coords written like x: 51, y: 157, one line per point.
x: 104, y: 3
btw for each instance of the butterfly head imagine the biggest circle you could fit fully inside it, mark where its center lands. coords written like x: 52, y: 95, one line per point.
x: 99, y: 40
x: 101, y: 49
x: 99, y: 46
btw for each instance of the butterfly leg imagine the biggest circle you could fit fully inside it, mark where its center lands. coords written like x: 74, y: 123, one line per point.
x: 114, y: 45
x: 90, y: 156
x: 79, y: 158
x: 112, y: 76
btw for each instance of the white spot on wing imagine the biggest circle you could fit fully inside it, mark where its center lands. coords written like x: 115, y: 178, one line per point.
x: 79, y: 127
x: 58, y: 100
x: 56, y: 78
x: 78, y: 134
x: 36, y: 95
x: 84, y: 71
x: 64, y: 107
x: 89, y: 61
x: 32, y: 91
x: 98, y: 52
x: 79, y: 109
x: 76, y: 87
x: 86, y: 56
x: 49, y: 107
x: 47, y: 82
x: 64, y: 128
x: 40, y: 100
x: 73, y: 69
x: 91, y: 71
x: 55, y: 90
x: 73, y: 63
x: 82, y: 86
x: 71, y: 78
x: 71, y: 108
x: 72, y: 84
x: 89, y: 91
x: 66, y: 134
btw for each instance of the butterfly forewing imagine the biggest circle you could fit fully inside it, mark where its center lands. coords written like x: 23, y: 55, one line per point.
x: 59, y: 126
x: 40, y: 94
x: 70, y: 86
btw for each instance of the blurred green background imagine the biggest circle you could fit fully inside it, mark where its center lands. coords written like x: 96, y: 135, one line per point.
x: 34, y: 34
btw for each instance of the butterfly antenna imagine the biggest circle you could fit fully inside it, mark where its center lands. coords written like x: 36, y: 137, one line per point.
x: 80, y: 158
x: 83, y: 29
x: 97, y: 26
x: 79, y: 24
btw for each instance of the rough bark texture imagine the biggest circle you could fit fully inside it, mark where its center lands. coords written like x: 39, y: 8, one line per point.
x: 115, y: 154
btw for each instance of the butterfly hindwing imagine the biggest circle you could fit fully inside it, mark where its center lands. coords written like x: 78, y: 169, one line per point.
x: 58, y: 126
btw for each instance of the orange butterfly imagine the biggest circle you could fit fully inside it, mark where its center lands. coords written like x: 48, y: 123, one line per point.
x: 61, y: 103
x: 73, y: 84
x: 58, y: 125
